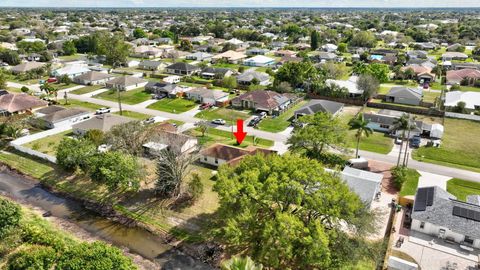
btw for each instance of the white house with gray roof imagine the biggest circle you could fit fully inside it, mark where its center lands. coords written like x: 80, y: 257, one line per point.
x: 405, y: 95
x: 437, y: 212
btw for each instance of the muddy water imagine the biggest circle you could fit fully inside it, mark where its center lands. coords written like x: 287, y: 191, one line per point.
x: 136, y: 240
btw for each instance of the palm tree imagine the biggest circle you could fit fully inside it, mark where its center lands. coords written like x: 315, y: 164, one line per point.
x: 237, y: 263
x: 361, y: 126
x: 403, y: 123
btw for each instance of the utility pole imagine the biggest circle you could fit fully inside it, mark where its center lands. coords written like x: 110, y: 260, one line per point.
x: 409, y: 126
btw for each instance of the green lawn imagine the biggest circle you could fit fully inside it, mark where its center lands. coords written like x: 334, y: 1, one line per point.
x: 410, y: 185
x: 282, y: 121
x: 25, y: 164
x: 462, y: 188
x: 429, y: 96
x: 223, y: 113
x: 377, y: 142
x: 459, y: 147
x: 134, y: 115
x: 87, y: 89
x: 73, y: 103
x: 70, y: 57
x: 469, y: 88
x: 226, y: 137
x: 48, y: 145
x: 13, y: 89
x: 134, y: 96
x: 177, y: 105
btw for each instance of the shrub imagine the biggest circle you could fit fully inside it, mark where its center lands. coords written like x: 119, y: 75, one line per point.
x: 399, y: 176
x: 33, y: 257
x: 10, y: 214
x: 73, y: 153
x: 195, y: 187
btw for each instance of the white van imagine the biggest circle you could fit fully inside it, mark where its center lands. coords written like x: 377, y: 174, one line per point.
x: 358, y: 163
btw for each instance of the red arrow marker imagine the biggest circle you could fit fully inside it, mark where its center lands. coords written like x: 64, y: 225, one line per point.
x: 240, y: 135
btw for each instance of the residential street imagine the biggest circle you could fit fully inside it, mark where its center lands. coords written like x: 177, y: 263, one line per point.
x: 281, y: 138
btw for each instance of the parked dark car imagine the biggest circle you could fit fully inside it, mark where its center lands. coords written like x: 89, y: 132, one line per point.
x: 415, y: 141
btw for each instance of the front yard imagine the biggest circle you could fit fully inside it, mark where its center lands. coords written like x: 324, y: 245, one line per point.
x: 459, y: 147
x: 281, y: 122
x: 134, y: 115
x: 73, y: 103
x: 177, y: 105
x: 462, y: 188
x: 377, y: 142
x: 223, y: 113
x: 87, y: 89
x: 131, y: 97
x: 226, y: 137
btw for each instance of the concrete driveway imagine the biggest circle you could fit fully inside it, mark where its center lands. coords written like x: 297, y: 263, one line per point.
x: 430, y: 179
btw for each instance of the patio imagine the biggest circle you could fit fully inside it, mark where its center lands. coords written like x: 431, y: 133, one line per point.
x: 432, y: 253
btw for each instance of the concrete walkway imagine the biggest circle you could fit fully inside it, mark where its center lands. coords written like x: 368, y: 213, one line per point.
x: 33, y: 87
x: 146, y: 103
x: 96, y: 92
x: 39, y: 135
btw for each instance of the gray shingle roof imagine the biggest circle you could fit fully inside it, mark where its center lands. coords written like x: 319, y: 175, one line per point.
x: 440, y: 213
x: 365, y: 184
x: 320, y: 105
x: 406, y: 92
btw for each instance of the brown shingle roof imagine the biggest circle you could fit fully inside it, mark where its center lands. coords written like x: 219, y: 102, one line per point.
x: 231, y: 154
x: 20, y: 102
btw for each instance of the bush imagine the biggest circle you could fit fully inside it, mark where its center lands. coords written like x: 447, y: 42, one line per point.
x: 96, y: 255
x: 33, y: 257
x: 195, y: 187
x: 10, y: 214
x: 73, y: 153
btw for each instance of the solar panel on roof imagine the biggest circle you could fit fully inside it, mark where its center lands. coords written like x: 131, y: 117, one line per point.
x: 430, y: 192
x: 420, y: 200
x: 466, y: 213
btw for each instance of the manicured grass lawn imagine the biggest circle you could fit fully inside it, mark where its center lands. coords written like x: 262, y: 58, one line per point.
x: 223, y: 113
x: 25, y: 164
x: 14, y: 90
x: 73, y: 103
x: 282, y: 121
x: 459, y: 147
x: 70, y: 57
x: 429, y: 96
x: 87, y: 89
x: 377, y: 142
x: 177, y: 105
x: 470, y: 88
x: 61, y: 86
x: 135, y: 115
x: 410, y: 185
x: 134, y: 96
x: 462, y: 188
x: 48, y: 145
x: 220, y: 136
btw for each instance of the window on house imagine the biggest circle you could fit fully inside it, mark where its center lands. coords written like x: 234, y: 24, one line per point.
x: 384, y: 126
x: 216, y: 160
x: 205, y: 158
x: 422, y: 225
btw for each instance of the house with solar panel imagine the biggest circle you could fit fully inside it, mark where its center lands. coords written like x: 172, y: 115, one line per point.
x: 437, y: 212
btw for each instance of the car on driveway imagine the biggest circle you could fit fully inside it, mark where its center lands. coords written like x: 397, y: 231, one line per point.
x: 205, y: 106
x: 148, y: 121
x: 219, y: 122
x: 103, y: 110
x: 254, y: 121
x: 398, y: 140
x: 415, y: 141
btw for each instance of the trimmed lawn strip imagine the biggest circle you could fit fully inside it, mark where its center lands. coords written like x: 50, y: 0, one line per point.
x: 87, y: 89
x: 377, y: 142
x: 223, y: 113
x: 458, y: 148
x: 281, y: 122
x: 410, y: 185
x: 131, y: 97
x: 462, y: 188
x: 134, y: 115
x: 226, y: 137
x: 177, y: 105
x: 73, y: 103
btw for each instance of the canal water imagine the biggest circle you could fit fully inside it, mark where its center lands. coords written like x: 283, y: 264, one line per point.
x: 137, y: 240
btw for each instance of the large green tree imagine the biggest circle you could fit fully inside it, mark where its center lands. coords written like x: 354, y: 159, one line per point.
x: 314, y: 40
x: 73, y: 153
x: 69, y: 47
x: 319, y: 131
x: 288, y: 213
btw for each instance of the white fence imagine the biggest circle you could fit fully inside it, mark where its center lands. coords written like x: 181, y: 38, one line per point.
x: 463, y: 116
x: 33, y: 152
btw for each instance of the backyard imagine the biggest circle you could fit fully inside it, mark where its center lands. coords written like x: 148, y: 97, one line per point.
x: 462, y: 188
x: 458, y: 149
x: 131, y: 97
x: 226, y: 137
x: 280, y: 122
x: 177, y: 105
x: 223, y: 113
x: 48, y: 145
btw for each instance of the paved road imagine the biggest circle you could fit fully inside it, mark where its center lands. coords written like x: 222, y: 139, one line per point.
x: 33, y: 87
x: 281, y: 138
